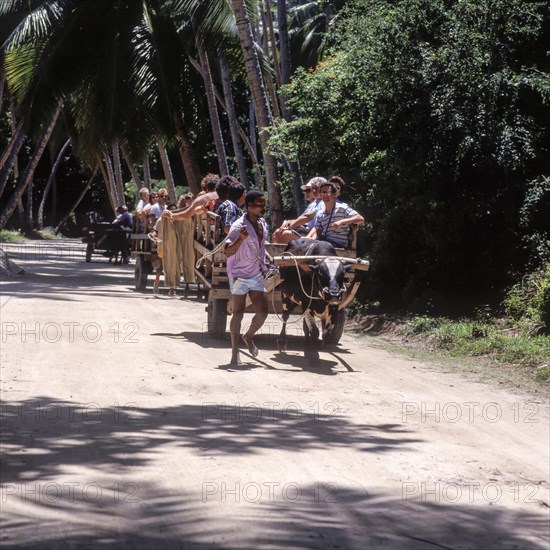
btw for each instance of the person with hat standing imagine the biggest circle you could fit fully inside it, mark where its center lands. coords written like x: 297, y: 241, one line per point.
x: 291, y: 230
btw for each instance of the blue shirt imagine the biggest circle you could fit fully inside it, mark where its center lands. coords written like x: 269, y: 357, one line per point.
x: 315, y: 206
x: 228, y: 212
x: 124, y: 220
x: 249, y: 260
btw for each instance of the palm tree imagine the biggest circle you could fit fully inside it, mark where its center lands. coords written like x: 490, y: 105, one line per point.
x: 51, y: 177
x: 211, y: 99
x: 27, y: 175
x: 261, y: 107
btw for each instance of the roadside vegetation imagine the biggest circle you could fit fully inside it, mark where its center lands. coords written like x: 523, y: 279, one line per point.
x: 8, y: 236
x: 517, y: 334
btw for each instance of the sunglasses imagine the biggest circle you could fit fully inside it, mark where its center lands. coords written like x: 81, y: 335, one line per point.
x: 163, y: 196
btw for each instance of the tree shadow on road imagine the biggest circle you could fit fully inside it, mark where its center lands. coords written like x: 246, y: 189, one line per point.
x: 78, y: 475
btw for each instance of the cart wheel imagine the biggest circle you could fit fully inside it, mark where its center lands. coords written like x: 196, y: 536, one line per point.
x: 217, y: 317
x: 140, y: 274
x: 334, y: 334
x: 89, y: 252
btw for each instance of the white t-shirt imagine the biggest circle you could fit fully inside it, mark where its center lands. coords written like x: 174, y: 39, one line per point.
x: 157, y: 210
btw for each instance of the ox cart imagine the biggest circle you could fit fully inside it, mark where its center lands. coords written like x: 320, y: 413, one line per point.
x: 211, y: 271
x: 106, y: 239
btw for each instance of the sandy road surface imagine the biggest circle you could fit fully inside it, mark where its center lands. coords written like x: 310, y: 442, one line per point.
x: 124, y: 427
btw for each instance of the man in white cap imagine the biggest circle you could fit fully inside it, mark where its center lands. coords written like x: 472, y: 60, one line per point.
x: 291, y: 230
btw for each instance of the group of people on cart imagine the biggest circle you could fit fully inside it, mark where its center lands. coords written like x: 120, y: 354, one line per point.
x: 326, y: 218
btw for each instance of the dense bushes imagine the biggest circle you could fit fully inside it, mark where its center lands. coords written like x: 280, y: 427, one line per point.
x: 435, y: 112
x: 528, y: 302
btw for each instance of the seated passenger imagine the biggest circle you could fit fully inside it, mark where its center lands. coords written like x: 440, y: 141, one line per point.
x: 124, y: 218
x: 230, y: 210
x: 291, y: 230
x: 332, y: 223
x: 143, y: 201
x: 198, y: 205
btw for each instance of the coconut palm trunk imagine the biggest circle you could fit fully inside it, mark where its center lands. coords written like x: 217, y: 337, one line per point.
x: 147, y: 172
x: 17, y: 142
x: 261, y: 108
x: 268, y: 80
x: 284, y: 42
x: 112, y: 180
x: 78, y: 201
x: 188, y: 157
x: 165, y: 161
x: 27, y: 175
x: 225, y: 107
x: 118, y: 174
x: 132, y: 170
x: 212, y: 108
x: 232, y: 117
x: 108, y: 183
x: 9, y: 148
x: 51, y: 177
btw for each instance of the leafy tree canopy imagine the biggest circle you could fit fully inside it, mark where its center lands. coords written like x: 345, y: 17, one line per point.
x: 436, y: 112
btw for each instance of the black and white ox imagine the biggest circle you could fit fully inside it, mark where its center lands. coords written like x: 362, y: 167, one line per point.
x: 317, y: 287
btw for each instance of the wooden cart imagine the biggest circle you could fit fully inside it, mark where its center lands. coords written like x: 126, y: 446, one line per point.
x: 93, y: 235
x: 212, y: 273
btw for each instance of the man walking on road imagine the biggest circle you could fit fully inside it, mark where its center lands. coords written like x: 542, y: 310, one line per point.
x: 245, y: 250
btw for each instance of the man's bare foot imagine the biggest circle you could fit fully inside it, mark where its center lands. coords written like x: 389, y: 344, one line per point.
x: 236, y: 359
x: 250, y: 345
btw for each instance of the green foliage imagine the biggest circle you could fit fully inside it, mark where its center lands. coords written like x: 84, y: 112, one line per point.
x: 435, y: 112
x: 495, y: 340
x: 11, y: 236
x: 422, y: 324
x: 529, y: 301
x: 534, y: 220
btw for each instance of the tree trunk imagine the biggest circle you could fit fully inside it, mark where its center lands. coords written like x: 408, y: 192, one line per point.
x: 284, y: 42
x: 273, y: 43
x: 188, y: 157
x: 7, y: 151
x: 147, y: 171
x: 108, y: 184
x: 232, y: 117
x: 292, y: 167
x: 171, y: 187
x: 80, y: 197
x: 133, y: 171
x: 261, y: 108
x: 29, y: 222
x: 212, y: 109
x: 268, y: 77
x: 27, y: 175
x: 11, y: 163
x: 2, y: 86
x: 112, y: 181
x: 118, y: 174
x: 17, y: 142
x: 251, y: 150
x: 49, y: 183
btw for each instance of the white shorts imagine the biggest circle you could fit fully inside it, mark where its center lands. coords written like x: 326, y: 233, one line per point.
x: 243, y: 285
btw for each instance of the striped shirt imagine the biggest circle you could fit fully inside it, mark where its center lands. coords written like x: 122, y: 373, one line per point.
x: 314, y: 206
x: 324, y: 219
x: 228, y: 212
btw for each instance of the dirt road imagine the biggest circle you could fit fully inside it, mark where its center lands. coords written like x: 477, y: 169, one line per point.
x: 124, y: 427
